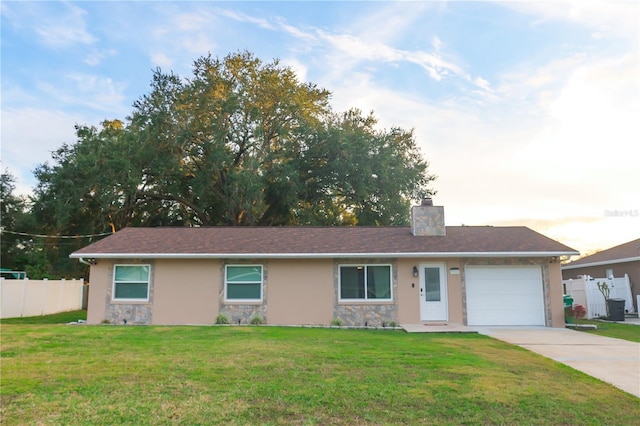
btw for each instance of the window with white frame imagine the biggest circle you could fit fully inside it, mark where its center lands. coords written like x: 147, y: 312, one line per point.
x: 365, y: 282
x: 131, y: 282
x: 243, y: 283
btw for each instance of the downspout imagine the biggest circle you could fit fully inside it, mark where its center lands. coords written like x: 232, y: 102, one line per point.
x: 86, y: 262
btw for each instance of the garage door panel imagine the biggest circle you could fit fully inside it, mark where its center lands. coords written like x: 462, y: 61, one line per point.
x: 491, y: 302
x: 507, y: 287
x: 506, y: 272
x: 504, y: 295
x: 505, y: 317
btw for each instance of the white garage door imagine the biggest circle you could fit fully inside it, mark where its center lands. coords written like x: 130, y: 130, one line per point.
x: 504, y: 295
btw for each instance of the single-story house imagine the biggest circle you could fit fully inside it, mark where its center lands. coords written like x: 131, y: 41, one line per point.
x: 616, y: 262
x: 473, y: 275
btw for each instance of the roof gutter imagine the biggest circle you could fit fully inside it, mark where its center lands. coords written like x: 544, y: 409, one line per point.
x: 602, y: 263
x: 314, y: 255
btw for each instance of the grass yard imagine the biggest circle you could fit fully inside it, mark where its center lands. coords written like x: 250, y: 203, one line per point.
x: 105, y: 375
x: 611, y: 329
x: 61, y: 318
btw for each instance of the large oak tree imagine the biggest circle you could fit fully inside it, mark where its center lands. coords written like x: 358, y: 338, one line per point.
x: 239, y: 142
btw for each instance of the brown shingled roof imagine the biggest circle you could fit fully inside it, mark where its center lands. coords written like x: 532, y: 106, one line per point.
x: 630, y: 250
x: 320, y: 241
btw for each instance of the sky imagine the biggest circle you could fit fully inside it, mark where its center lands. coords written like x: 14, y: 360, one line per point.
x: 528, y: 112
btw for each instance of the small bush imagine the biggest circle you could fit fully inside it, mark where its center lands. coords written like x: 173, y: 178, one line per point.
x: 256, y: 320
x: 579, y: 312
x: 336, y: 322
x: 222, y: 319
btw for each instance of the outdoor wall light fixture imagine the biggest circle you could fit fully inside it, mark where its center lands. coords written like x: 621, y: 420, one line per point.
x: 415, y: 271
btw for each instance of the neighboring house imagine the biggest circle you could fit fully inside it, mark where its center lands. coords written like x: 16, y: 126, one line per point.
x: 614, y: 262
x: 474, y: 275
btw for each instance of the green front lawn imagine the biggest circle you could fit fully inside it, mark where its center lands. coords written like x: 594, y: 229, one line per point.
x: 61, y: 318
x: 92, y: 375
x: 611, y: 329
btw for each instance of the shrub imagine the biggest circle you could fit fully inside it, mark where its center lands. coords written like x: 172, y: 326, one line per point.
x: 336, y: 322
x: 256, y: 320
x: 222, y: 319
x: 579, y: 312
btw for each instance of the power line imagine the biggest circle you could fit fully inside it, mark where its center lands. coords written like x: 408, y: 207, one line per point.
x: 24, y: 234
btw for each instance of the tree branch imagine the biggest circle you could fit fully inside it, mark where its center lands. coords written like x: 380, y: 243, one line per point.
x: 198, y: 212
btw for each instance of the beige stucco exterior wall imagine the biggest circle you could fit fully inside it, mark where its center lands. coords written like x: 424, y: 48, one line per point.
x: 300, y: 291
x: 408, y: 292
x: 454, y: 287
x: 185, y: 291
x: 555, y: 295
x: 98, y: 282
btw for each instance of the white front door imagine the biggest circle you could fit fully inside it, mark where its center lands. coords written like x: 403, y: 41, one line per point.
x: 433, y: 292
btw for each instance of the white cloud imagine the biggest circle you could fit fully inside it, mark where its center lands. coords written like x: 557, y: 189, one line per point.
x: 21, y: 153
x: 532, y: 86
x: 159, y: 59
x: 95, y: 57
x: 482, y: 83
x: 58, y: 25
x: 66, y: 28
x: 500, y: 162
x: 346, y: 54
x: 293, y: 31
x: 242, y: 17
x: 391, y: 21
x: 592, y: 119
x: 191, y: 21
x: 362, y: 47
x: 605, y: 18
x: 298, y: 67
x: 89, y: 91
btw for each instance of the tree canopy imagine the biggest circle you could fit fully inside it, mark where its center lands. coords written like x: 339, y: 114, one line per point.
x: 238, y: 142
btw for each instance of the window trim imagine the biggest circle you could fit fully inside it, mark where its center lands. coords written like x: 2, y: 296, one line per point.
x: 113, y: 283
x: 365, y: 299
x: 226, y: 283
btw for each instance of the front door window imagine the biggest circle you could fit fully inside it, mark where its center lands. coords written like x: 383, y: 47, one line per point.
x: 433, y: 292
x: 432, y: 284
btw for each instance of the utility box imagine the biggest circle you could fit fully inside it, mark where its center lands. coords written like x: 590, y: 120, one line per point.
x: 568, y: 300
x: 616, y: 309
x: 568, y: 309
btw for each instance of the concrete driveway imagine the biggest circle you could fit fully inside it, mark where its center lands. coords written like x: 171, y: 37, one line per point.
x: 614, y: 361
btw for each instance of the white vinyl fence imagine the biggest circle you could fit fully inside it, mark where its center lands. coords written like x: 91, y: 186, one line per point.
x: 30, y: 298
x: 585, y: 292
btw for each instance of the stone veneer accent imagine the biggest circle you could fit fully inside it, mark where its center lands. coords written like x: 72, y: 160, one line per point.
x: 241, y: 313
x: 371, y: 313
x: 511, y: 261
x: 133, y: 313
x: 427, y: 220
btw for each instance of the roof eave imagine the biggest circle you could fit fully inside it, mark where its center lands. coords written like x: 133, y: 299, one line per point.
x: 316, y: 255
x: 601, y: 263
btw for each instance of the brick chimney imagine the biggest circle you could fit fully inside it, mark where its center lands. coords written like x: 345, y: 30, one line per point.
x: 427, y: 219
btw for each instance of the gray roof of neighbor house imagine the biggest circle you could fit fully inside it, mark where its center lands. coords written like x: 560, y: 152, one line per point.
x: 292, y: 242
x: 627, y: 252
